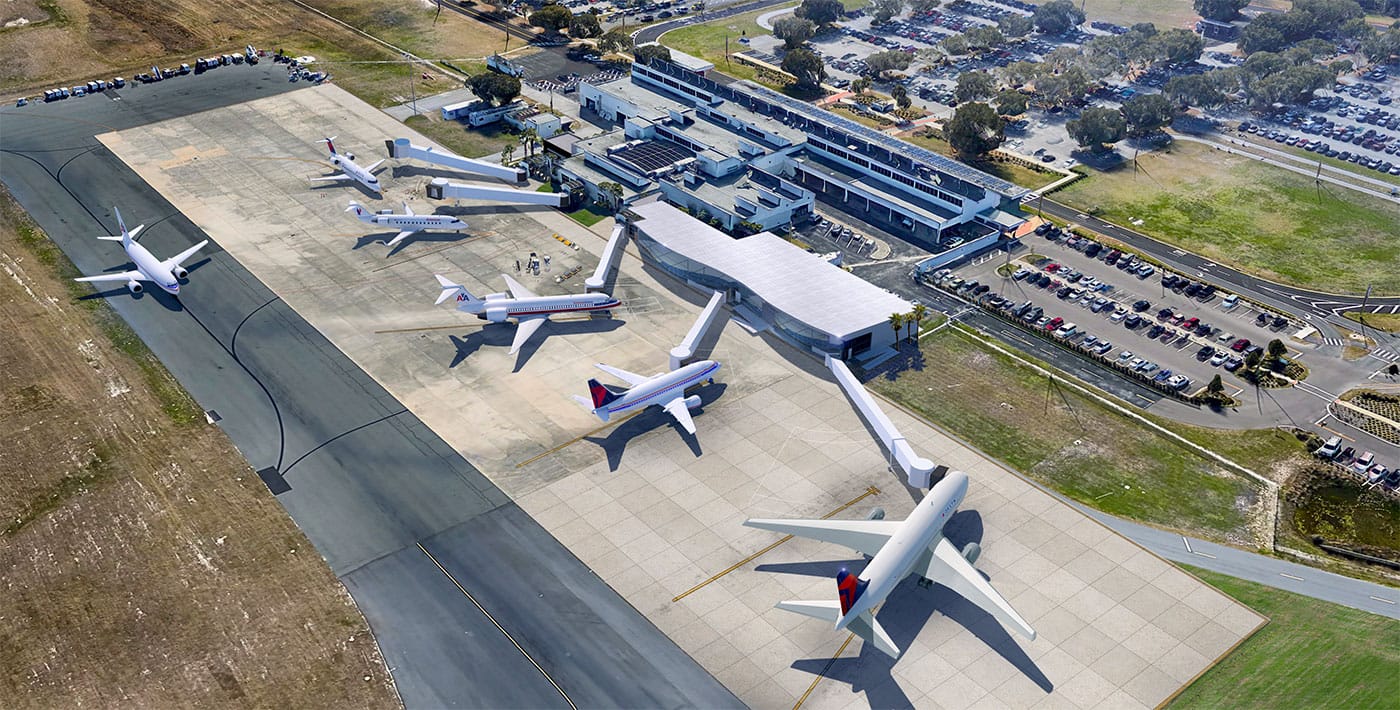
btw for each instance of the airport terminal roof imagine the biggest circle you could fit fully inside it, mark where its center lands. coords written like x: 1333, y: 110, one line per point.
x: 788, y: 278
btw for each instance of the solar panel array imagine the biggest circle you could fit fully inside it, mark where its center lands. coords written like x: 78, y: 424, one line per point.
x: 652, y: 155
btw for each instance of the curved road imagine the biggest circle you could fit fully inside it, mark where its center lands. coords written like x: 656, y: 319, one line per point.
x: 651, y: 33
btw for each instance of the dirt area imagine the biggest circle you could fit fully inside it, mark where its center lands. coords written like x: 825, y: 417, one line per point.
x: 146, y: 564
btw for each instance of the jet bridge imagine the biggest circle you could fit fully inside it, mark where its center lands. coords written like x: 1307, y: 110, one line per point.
x: 685, y: 352
x: 441, y: 189
x: 403, y: 149
x: 917, y: 469
x: 611, y: 253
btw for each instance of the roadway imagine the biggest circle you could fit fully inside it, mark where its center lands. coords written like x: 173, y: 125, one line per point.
x: 653, y: 32
x: 471, y: 601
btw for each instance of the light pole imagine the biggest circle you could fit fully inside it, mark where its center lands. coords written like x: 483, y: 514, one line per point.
x: 412, y: 86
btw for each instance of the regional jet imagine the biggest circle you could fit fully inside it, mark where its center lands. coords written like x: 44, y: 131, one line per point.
x: 165, y: 274
x: 529, y: 310
x: 349, y: 170
x: 407, y: 223
x: 666, y: 390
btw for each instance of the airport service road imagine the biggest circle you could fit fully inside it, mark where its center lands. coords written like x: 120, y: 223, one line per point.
x: 434, y: 554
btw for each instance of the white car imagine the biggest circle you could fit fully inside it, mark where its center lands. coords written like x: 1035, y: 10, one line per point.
x: 1230, y: 301
x: 1220, y: 358
x: 1119, y: 314
x: 1125, y: 356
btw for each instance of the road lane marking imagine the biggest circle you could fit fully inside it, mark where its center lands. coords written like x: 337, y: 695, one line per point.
x: 1295, y: 578
x: 500, y: 628
x: 830, y: 662
x: 1379, y: 599
x: 871, y: 491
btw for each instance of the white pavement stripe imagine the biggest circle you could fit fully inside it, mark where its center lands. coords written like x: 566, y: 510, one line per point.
x: 1293, y: 577
x: 1379, y: 599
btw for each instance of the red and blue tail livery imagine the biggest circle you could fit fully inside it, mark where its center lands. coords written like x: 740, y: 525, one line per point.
x: 850, y: 587
x: 601, y: 395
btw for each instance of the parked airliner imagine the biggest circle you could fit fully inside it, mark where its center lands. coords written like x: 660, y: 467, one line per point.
x: 165, y: 274
x: 666, y: 390
x: 529, y: 310
x: 407, y: 223
x: 349, y: 170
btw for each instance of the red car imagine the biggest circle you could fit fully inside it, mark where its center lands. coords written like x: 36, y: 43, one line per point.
x: 1240, y: 345
x: 1054, y: 323
x: 1191, y: 323
x: 1052, y: 267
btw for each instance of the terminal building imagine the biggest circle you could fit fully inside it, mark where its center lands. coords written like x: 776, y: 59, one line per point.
x: 774, y: 284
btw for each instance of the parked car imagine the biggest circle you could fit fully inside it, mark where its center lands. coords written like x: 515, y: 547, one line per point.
x: 1240, y: 345
x: 1219, y: 358
x: 1362, y: 464
x: 1205, y: 353
x: 1142, y: 305
x: 1054, y: 323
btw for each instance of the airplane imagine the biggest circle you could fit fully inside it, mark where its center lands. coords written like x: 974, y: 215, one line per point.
x: 666, y: 390
x: 529, y: 310
x: 165, y: 274
x: 897, y: 548
x: 408, y: 223
x: 349, y: 170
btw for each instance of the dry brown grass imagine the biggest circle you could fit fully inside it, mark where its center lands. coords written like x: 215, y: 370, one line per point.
x: 145, y: 563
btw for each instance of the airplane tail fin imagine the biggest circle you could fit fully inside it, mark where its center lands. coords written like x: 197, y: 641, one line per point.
x: 601, y: 395
x: 360, y: 211
x: 864, y: 625
x: 330, y: 143
x: 126, y: 235
x: 587, y: 404
x: 849, y: 588
x: 452, y: 290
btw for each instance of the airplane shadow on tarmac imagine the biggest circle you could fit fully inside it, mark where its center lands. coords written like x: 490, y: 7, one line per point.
x: 503, y: 334
x: 341, y: 184
x: 416, y: 238
x: 171, y: 303
x: 615, y: 443
x: 905, y: 612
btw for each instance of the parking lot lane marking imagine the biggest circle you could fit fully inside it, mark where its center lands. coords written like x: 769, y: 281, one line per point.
x: 831, y: 661
x: 871, y: 491
x: 1285, y: 574
x: 498, y: 626
x: 1380, y: 599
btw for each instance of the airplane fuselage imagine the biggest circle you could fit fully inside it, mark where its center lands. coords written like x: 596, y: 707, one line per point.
x: 355, y: 172
x: 914, y: 538
x: 537, y: 306
x: 149, y: 265
x: 663, y: 388
x: 418, y: 222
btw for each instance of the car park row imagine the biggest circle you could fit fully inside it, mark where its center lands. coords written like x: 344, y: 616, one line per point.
x: 1360, y: 464
x: 249, y: 56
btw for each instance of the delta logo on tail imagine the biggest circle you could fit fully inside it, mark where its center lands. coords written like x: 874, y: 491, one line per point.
x: 850, y: 588
x: 601, y: 395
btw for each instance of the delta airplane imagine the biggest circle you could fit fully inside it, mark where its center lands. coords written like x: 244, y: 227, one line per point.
x: 349, y: 170
x: 666, y: 390
x: 407, y: 223
x: 529, y: 310
x: 165, y: 274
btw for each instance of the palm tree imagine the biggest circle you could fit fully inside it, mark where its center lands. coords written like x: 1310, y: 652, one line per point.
x: 920, y: 313
x: 611, y: 193
x: 896, y: 322
x: 529, y: 138
x: 506, y: 153
x: 1277, y: 350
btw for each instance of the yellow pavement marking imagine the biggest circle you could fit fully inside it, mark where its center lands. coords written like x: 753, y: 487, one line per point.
x: 500, y: 628
x: 868, y: 492
x: 577, y: 439
x: 825, y: 668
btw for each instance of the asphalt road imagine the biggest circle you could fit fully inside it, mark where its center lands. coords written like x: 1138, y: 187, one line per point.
x: 651, y: 33
x: 472, y: 602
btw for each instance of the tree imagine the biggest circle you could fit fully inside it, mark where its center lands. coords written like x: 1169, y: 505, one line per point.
x: 552, y: 18
x: 896, y: 323
x: 954, y: 45
x: 1178, y: 46
x: 974, y: 130
x: 793, y: 30
x: 1216, y: 385
x: 883, y: 10
x: 1010, y: 102
x: 1193, y: 90
x: 615, y: 40
x: 901, y: 96
x: 1018, y: 74
x: 506, y: 152
x: 1277, y: 350
x: 984, y: 37
x: 891, y: 60
x: 974, y: 86
x: 1096, y: 128
x: 1147, y: 113
x: 1220, y: 10
x: 1014, y: 25
x: 1261, y: 39
x: 610, y: 194
x: 1066, y: 87
x: 919, y: 6
x: 821, y: 12
x: 918, y: 315
x: 806, y: 66
x: 584, y: 25
x: 494, y: 88
x: 1253, y: 360
x: 1328, y: 15
x: 1057, y: 17
x: 648, y: 52
x: 860, y: 85
x: 1380, y: 48
x: 528, y: 139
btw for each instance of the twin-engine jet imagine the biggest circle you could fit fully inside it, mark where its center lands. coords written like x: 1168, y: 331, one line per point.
x: 349, y: 169
x: 165, y: 274
x: 529, y: 310
x: 407, y: 223
x: 665, y: 390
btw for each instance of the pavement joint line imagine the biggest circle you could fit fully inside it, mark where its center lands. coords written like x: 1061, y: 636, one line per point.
x: 822, y: 674
x: 500, y: 628
x: 577, y: 439
x: 1290, y: 576
x: 870, y: 491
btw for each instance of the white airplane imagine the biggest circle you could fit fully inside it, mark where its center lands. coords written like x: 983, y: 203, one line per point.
x: 407, y: 223
x: 349, y: 170
x: 915, y: 544
x: 529, y: 310
x: 666, y: 390
x: 165, y: 274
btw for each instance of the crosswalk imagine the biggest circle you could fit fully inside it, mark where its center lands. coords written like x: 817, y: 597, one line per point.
x: 1386, y: 355
x: 1334, y: 342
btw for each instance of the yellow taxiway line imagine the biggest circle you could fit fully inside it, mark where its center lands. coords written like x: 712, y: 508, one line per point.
x: 577, y: 439
x: 825, y: 668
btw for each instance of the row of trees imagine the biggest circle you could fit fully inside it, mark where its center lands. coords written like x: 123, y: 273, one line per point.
x: 1098, y: 128
x: 908, y: 322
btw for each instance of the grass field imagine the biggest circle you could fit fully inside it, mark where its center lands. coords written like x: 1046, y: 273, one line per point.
x: 470, y: 142
x: 1351, y: 169
x: 707, y: 41
x: 1311, y: 654
x: 1389, y: 322
x: 146, y: 565
x: 1258, y: 218
x: 1080, y: 447
x: 1014, y: 173
x: 1165, y: 14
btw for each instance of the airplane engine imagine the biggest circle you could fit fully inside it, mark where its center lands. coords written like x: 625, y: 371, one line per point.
x: 350, y: 156
x: 876, y: 514
x: 496, y: 315
x: 133, y: 286
x: 971, y: 551
x: 692, y: 401
x: 181, y: 272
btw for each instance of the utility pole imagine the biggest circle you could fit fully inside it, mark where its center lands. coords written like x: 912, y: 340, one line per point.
x: 1361, y: 315
x: 412, y: 85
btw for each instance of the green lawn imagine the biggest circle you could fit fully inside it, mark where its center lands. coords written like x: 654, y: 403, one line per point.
x: 468, y: 142
x: 1314, y: 158
x: 1166, y: 14
x: 590, y: 215
x: 1079, y: 447
x: 1311, y: 654
x: 707, y: 41
x: 1261, y: 219
x: 1014, y: 173
x: 1389, y: 322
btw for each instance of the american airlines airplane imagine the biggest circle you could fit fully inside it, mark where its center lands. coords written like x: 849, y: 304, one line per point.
x: 349, y: 170
x: 666, y: 390
x: 529, y: 310
x: 407, y: 223
x: 165, y: 274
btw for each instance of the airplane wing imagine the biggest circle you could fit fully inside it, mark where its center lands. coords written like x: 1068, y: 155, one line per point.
x: 516, y: 289
x: 337, y: 176
x: 677, y: 409
x: 863, y: 536
x: 371, y: 168
x: 631, y: 378
x: 400, y: 237
x: 133, y: 275
x: 407, y: 210
x: 525, y: 328
x: 178, y: 259
x: 946, y: 566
